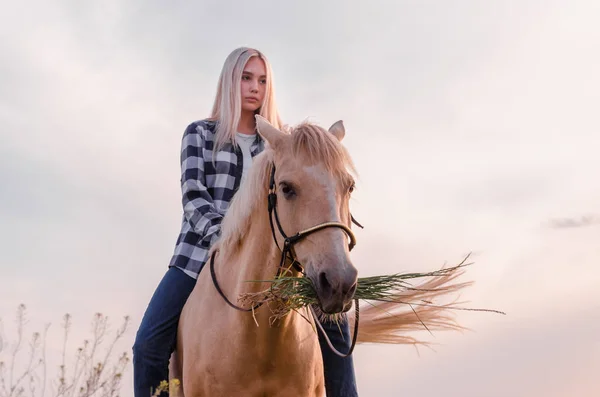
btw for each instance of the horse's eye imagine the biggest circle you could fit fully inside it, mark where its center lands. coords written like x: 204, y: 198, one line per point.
x: 351, y: 188
x: 287, y: 190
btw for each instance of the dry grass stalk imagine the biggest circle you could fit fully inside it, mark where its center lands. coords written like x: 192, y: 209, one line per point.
x: 94, y: 373
x: 390, y: 300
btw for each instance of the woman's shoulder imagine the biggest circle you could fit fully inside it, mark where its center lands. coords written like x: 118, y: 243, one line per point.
x: 202, y: 126
x: 204, y: 130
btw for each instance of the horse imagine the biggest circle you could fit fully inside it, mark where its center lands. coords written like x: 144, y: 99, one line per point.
x: 292, y: 212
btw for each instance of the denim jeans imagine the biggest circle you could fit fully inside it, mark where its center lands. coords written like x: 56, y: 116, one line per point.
x: 156, y: 338
x: 157, y: 335
x: 339, y: 371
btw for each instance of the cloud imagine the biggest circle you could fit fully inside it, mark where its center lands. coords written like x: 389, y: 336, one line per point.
x: 568, y: 223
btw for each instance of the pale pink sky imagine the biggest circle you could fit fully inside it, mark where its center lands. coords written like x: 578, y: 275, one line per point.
x: 473, y: 125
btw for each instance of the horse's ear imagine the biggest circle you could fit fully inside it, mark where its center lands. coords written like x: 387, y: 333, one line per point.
x: 338, y: 130
x: 271, y: 134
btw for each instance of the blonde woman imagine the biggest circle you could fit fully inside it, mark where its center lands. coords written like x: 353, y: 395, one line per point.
x: 216, y: 154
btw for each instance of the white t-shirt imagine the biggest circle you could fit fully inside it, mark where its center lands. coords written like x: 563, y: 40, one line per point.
x: 245, y: 141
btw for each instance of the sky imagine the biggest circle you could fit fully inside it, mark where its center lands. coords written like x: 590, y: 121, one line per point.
x: 473, y: 126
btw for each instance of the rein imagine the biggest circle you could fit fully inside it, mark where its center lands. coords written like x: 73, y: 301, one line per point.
x: 288, y: 252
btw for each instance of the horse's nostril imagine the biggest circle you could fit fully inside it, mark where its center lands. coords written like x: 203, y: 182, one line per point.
x: 324, y: 282
x: 352, y: 290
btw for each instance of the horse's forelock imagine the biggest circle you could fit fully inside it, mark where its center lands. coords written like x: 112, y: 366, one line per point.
x: 319, y: 146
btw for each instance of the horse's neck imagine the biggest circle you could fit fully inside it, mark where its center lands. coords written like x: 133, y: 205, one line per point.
x: 286, y: 352
x: 256, y: 258
x: 253, y: 259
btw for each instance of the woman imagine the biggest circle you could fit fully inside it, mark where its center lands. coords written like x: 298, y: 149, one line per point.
x: 215, y: 157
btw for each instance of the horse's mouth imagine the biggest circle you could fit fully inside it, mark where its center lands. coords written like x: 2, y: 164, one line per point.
x: 347, y: 306
x: 336, y: 308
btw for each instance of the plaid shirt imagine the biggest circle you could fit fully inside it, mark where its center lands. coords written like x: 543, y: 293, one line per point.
x: 207, y: 190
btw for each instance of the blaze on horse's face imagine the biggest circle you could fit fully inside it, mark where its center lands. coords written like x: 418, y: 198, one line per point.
x: 313, y: 187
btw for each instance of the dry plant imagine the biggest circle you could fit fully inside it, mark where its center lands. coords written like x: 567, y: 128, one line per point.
x: 288, y: 293
x: 94, y: 372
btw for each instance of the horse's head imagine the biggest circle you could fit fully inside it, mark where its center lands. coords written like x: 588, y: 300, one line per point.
x: 312, y: 187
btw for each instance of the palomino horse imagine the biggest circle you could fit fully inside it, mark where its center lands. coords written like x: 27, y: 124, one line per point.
x: 304, y: 178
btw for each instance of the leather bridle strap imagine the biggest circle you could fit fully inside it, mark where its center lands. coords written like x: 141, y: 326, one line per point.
x: 291, y: 240
x: 216, y: 283
x: 354, y: 338
x: 288, y: 243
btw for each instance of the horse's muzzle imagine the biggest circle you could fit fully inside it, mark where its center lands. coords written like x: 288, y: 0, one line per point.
x: 335, y: 289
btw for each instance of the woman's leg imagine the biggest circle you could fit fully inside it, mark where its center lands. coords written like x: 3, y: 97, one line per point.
x: 156, y: 337
x: 339, y: 372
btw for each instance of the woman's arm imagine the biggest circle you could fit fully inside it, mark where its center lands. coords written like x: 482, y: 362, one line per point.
x: 198, y: 205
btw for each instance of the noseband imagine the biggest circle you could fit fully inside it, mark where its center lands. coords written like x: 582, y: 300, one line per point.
x: 288, y: 252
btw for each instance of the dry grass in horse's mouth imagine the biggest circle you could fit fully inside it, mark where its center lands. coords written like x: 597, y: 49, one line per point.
x: 288, y: 294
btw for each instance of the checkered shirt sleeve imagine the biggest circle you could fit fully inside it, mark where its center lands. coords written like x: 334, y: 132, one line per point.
x: 207, y: 189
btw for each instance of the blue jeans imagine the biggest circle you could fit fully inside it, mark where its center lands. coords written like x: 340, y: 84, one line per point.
x: 339, y: 371
x: 156, y: 338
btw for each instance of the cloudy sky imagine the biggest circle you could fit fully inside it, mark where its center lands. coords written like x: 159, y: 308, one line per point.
x: 474, y: 126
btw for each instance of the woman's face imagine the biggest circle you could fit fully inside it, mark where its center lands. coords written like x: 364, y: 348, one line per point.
x: 253, y: 84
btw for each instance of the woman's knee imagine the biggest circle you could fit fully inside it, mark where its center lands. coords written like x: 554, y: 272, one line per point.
x: 149, y: 348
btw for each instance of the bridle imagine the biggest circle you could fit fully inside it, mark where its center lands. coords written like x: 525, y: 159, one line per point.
x: 288, y: 252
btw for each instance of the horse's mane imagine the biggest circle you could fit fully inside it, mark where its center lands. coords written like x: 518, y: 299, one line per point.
x: 308, y: 141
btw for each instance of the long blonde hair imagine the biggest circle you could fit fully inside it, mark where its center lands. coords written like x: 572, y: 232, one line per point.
x: 227, y: 107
